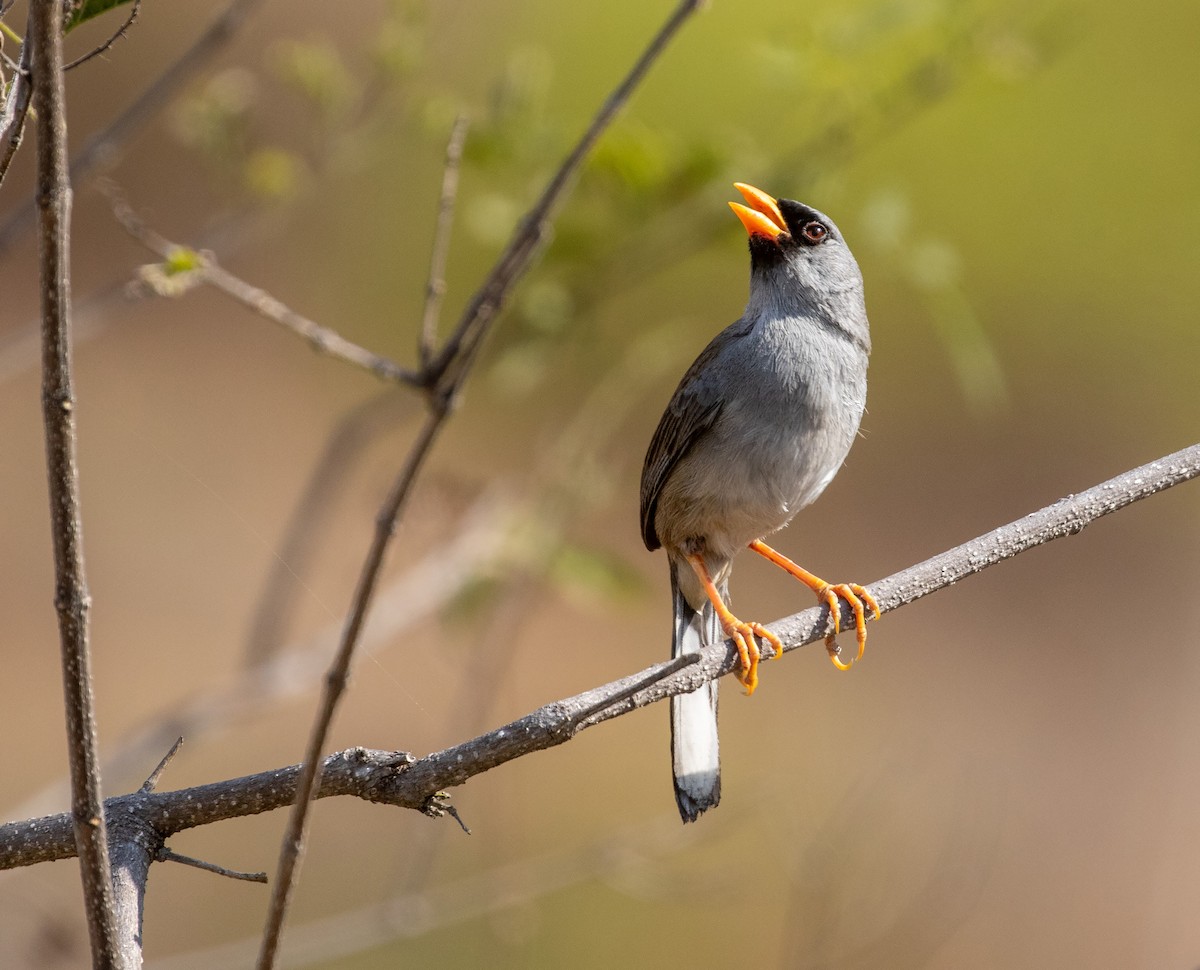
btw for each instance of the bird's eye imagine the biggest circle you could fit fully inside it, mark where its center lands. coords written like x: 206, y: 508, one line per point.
x: 814, y: 232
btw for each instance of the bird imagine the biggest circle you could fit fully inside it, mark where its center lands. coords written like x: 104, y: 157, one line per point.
x: 757, y: 428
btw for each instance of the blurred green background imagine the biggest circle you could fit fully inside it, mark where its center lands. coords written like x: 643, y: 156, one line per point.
x: 1008, y: 779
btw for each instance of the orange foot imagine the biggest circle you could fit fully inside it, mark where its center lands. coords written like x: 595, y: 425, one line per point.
x: 828, y: 593
x: 740, y: 632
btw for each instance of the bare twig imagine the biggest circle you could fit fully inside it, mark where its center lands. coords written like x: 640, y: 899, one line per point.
x: 151, y: 781
x: 117, y: 35
x: 322, y: 339
x: 512, y: 265
x: 435, y: 289
x: 459, y: 350
x: 335, y: 683
x: 395, y: 778
x: 167, y: 855
x: 102, y: 148
x: 71, y: 599
x: 16, y: 107
x: 408, y: 915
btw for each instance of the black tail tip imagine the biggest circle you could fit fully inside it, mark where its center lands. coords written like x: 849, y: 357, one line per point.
x: 693, y: 804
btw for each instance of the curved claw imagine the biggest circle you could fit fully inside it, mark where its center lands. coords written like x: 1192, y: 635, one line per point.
x: 856, y: 596
x: 743, y: 638
x: 742, y: 634
x: 828, y: 594
x: 774, y: 641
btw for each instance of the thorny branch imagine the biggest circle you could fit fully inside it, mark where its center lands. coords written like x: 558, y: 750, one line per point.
x: 396, y: 778
x: 116, y: 35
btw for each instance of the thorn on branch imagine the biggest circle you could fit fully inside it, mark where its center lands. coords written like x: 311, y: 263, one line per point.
x: 438, y: 805
x: 166, y: 855
x: 151, y: 782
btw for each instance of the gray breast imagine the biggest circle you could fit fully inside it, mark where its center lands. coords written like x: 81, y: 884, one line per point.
x: 794, y: 392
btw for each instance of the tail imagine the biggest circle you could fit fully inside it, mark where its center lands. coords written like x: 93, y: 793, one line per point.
x: 694, y: 748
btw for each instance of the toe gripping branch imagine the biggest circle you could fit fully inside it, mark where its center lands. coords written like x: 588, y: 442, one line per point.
x: 743, y: 634
x: 828, y: 593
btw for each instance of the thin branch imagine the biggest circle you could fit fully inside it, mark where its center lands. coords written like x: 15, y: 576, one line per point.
x: 513, y: 263
x: 322, y: 339
x: 459, y: 350
x: 120, y: 32
x: 335, y: 684
x: 395, y: 778
x: 558, y: 722
x: 167, y: 855
x: 100, y: 150
x: 435, y: 289
x: 71, y: 599
x: 16, y: 107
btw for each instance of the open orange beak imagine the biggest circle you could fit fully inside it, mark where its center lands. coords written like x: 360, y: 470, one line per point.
x: 761, y: 216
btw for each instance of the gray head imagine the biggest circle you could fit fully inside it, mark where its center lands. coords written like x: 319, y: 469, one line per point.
x: 800, y: 264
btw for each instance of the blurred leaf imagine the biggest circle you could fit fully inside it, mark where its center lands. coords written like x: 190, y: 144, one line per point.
x: 477, y: 594
x: 399, y: 43
x: 514, y: 125
x: 315, y: 70
x: 594, y: 575
x: 546, y: 306
x: 273, y: 173
x: 521, y: 369
x: 217, y: 120
x: 491, y: 217
x: 522, y: 89
x: 636, y: 156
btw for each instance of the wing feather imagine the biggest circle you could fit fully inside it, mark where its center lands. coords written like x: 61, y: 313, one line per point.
x: 690, y: 415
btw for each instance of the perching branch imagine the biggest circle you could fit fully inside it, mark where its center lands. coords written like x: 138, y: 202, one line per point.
x: 71, y: 599
x: 396, y: 778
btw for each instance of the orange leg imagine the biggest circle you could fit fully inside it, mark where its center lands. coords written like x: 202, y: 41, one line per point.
x: 742, y: 634
x: 858, y: 598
